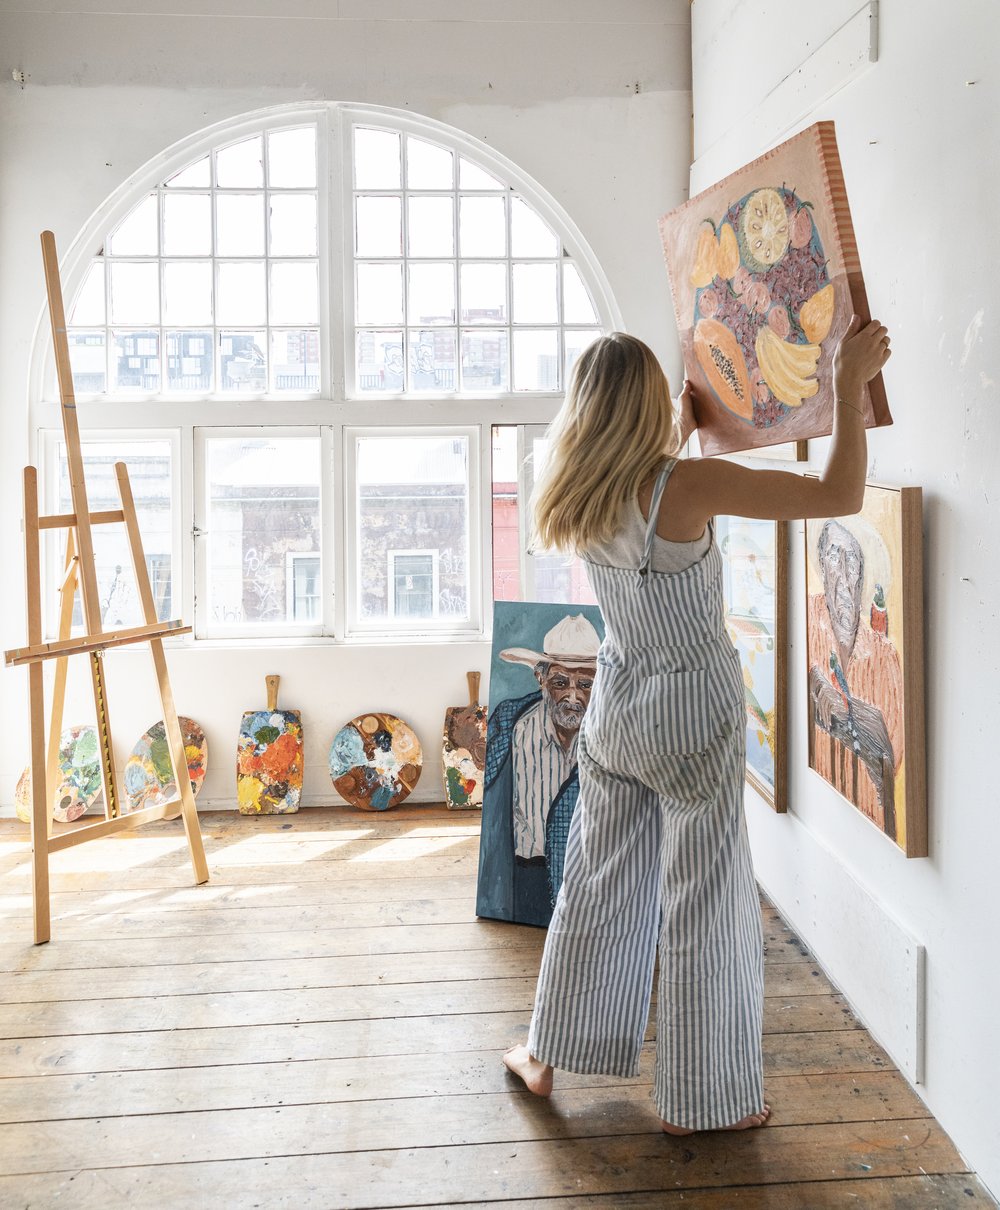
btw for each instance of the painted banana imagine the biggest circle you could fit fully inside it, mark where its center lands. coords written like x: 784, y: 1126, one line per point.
x: 788, y: 369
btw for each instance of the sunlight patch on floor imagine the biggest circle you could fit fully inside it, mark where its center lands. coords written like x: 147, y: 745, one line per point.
x: 408, y: 848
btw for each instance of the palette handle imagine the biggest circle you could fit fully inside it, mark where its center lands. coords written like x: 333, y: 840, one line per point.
x: 473, y: 679
x: 272, y: 692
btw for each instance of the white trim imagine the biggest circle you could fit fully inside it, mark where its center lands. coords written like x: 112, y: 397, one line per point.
x: 391, y: 556
x: 291, y: 558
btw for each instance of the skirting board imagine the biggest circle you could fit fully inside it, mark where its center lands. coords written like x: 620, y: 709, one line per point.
x: 877, y: 964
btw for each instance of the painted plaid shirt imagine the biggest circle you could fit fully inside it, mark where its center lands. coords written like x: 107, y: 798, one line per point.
x: 541, y: 767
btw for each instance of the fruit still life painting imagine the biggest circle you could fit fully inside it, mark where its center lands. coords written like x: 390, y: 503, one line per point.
x: 765, y: 277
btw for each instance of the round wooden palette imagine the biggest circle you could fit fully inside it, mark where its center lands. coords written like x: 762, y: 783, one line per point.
x: 148, y: 779
x: 375, y: 761
x: 79, y: 772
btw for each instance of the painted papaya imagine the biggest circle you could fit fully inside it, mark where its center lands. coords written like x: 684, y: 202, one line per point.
x: 721, y: 357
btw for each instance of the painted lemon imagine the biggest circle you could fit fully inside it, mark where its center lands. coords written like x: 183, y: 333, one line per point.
x: 764, y: 229
x: 816, y: 315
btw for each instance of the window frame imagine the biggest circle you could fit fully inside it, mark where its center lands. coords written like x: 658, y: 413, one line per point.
x: 338, y: 409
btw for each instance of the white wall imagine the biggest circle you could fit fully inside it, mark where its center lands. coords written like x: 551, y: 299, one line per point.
x: 593, y: 101
x: 917, y: 136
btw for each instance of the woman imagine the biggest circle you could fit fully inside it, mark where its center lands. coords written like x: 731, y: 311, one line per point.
x: 657, y: 856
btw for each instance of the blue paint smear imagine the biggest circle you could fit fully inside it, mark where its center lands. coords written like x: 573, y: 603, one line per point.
x: 346, y: 752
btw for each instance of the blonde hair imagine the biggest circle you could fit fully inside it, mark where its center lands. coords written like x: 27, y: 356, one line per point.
x: 610, y: 436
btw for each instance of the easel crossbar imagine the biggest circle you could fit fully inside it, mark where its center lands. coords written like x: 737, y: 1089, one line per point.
x: 121, y: 823
x: 68, y: 520
x: 94, y: 642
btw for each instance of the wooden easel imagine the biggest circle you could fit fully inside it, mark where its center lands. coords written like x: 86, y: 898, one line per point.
x: 81, y: 571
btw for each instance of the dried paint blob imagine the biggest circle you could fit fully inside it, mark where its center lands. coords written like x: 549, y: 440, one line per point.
x: 79, y: 773
x: 148, y: 775
x: 269, y: 762
x: 375, y: 761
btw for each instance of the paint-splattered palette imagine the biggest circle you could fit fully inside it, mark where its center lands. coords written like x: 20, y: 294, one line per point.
x: 79, y: 773
x: 149, y: 777
x: 464, y: 750
x: 269, y: 758
x: 375, y: 761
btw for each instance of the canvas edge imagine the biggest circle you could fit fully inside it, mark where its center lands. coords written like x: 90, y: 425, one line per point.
x: 914, y: 706
x: 781, y: 536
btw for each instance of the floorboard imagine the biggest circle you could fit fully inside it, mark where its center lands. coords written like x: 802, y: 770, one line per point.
x: 321, y: 1026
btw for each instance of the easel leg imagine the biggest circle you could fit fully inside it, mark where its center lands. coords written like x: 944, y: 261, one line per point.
x: 41, y: 804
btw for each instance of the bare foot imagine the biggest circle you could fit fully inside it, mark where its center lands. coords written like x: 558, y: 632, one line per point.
x: 537, y: 1076
x: 747, y: 1123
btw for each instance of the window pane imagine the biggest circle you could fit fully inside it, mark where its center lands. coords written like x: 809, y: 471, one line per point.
x: 471, y: 176
x: 291, y: 158
x: 88, y: 361
x: 135, y: 292
x: 187, y: 292
x: 149, y: 466
x: 293, y: 224
x: 295, y: 360
x: 376, y: 159
x: 187, y: 224
x: 380, y: 294
x: 380, y: 361
x: 433, y: 360
x: 294, y: 292
x: 195, y: 176
x: 536, y: 360
x: 484, y: 359
x: 305, y: 587
x: 431, y: 226
x: 427, y: 166
x: 189, y: 361
x: 484, y: 294
x: 264, y: 505
x: 529, y: 236
x: 575, y: 342
x: 136, y: 234
x: 558, y: 578
x: 413, y: 528
x: 483, y: 229
x: 88, y: 306
x: 240, y: 294
x: 534, y: 295
x: 506, y: 520
x: 432, y: 293
x: 239, y: 219
x: 135, y: 361
x: 378, y: 226
x: 242, y: 361
x: 240, y: 166
x: 577, y: 305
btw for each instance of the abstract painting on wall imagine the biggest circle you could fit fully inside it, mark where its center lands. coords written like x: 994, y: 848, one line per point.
x: 542, y: 672
x: 765, y: 276
x: 755, y: 583
x: 864, y: 578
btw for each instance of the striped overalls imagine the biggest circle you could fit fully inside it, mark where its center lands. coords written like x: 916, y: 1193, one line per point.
x: 658, y: 854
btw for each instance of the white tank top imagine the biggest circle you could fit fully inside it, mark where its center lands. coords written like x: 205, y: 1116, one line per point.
x: 626, y: 548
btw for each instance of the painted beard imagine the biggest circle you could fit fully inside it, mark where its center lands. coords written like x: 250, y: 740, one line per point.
x: 568, y: 715
x: 845, y: 613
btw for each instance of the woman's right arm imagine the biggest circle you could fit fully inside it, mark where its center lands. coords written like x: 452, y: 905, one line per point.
x: 710, y: 486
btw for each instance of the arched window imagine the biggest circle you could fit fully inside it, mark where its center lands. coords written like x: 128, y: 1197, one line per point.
x: 300, y: 328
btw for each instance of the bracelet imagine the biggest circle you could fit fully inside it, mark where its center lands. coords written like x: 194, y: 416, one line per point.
x: 860, y: 411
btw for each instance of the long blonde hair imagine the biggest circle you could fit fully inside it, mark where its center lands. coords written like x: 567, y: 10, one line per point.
x: 610, y: 436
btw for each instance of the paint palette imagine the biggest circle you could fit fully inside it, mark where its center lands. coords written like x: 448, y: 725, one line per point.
x: 463, y: 752
x: 149, y: 777
x: 79, y: 773
x: 375, y: 761
x: 269, y: 758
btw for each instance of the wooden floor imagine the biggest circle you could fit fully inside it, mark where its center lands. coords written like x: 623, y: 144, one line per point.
x: 321, y: 1026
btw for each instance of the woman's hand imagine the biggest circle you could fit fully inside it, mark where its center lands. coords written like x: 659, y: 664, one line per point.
x: 861, y: 354
x: 684, y: 409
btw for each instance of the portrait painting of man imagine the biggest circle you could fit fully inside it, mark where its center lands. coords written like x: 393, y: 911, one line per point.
x: 543, y: 668
x: 864, y: 639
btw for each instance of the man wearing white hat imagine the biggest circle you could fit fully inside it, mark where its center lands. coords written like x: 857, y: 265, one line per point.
x: 531, y: 764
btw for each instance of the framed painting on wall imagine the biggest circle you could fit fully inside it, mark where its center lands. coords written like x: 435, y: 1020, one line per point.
x: 765, y: 276
x: 755, y: 586
x: 864, y: 637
